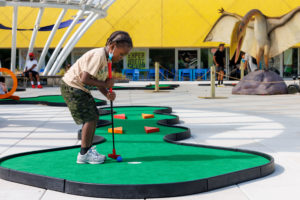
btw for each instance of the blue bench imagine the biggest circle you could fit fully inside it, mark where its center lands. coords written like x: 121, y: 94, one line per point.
x: 185, y: 73
x: 200, y: 73
x: 133, y: 74
x: 151, y: 74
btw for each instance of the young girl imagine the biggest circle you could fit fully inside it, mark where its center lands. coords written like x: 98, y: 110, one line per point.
x: 92, y: 70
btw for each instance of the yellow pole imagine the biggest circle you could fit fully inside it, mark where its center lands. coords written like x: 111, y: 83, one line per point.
x: 156, y: 77
x: 212, y: 81
x: 242, y: 70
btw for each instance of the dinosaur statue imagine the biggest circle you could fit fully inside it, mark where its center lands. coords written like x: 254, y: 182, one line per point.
x: 257, y: 34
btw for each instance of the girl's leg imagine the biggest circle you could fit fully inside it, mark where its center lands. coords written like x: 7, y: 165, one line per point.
x: 87, y: 134
x: 94, y: 129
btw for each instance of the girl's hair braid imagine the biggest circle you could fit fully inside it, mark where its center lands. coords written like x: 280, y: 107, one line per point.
x: 120, y: 38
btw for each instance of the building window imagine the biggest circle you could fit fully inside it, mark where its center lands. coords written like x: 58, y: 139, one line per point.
x: 207, y: 55
x: 166, y: 59
x: 187, y: 59
x: 290, y: 62
x: 5, y: 58
x: 117, y: 67
x: 274, y: 64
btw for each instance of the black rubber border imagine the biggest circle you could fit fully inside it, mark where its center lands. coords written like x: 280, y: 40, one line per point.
x: 13, y: 102
x: 141, y: 190
x: 36, y: 180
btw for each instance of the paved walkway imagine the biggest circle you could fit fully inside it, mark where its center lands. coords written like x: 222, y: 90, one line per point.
x: 263, y: 123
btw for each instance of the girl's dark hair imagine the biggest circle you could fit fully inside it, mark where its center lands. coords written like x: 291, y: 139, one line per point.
x: 120, y: 38
x: 2, y: 79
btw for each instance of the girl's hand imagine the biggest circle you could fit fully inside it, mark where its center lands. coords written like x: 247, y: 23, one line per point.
x: 109, y: 82
x: 111, y: 96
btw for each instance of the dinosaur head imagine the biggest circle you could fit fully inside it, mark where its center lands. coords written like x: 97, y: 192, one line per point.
x: 241, y: 32
x: 237, y: 38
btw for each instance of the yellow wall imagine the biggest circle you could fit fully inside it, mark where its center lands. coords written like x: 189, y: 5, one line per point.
x: 151, y: 23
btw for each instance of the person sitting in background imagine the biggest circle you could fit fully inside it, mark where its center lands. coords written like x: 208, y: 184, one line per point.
x: 3, y: 89
x: 32, y: 71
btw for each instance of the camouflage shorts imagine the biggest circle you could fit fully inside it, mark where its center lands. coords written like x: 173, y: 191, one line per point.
x: 81, y: 104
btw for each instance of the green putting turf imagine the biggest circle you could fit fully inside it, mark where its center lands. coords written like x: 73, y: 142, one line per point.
x: 159, y: 161
x: 161, y: 86
x: 50, y: 98
x: 118, y: 87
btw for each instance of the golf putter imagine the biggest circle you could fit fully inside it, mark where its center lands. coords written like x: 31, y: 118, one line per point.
x: 113, y: 155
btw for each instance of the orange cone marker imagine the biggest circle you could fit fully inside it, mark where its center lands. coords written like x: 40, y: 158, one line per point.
x: 151, y: 129
x: 147, y: 116
x: 120, y: 116
x: 118, y: 130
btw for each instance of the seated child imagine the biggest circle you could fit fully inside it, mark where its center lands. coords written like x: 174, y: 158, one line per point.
x: 3, y: 89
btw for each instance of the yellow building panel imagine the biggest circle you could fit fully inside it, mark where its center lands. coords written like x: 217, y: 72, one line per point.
x: 26, y: 20
x: 182, y: 24
x: 151, y: 23
x: 141, y: 18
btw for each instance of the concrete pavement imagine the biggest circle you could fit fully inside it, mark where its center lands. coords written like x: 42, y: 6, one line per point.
x: 268, y: 124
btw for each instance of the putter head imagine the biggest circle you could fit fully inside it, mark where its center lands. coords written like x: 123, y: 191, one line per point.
x: 113, y: 156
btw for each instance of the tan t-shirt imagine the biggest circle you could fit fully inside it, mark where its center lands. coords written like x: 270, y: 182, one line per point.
x: 93, y: 62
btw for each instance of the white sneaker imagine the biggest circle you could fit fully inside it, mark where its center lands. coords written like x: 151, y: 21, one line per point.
x: 91, y: 157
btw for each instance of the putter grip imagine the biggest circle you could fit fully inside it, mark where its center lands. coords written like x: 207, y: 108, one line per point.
x: 110, y: 72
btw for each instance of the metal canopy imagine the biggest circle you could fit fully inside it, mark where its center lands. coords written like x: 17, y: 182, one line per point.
x: 92, y: 9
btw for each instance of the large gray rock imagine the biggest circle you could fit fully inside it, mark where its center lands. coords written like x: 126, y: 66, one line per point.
x: 261, y: 83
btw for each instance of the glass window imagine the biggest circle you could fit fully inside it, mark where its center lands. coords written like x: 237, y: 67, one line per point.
x: 5, y: 58
x: 290, y: 62
x: 207, y: 57
x: 274, y: 64
x: 187, y: 59
x: 118, y: 67
x: 166, y: 59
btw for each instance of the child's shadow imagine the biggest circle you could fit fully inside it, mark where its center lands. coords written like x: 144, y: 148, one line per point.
x: 188, y: 157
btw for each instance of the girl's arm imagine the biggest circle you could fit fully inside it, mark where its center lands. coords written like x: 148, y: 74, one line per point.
x: 110, y: 96
x: 103, y: 90
x: 87, y: 79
